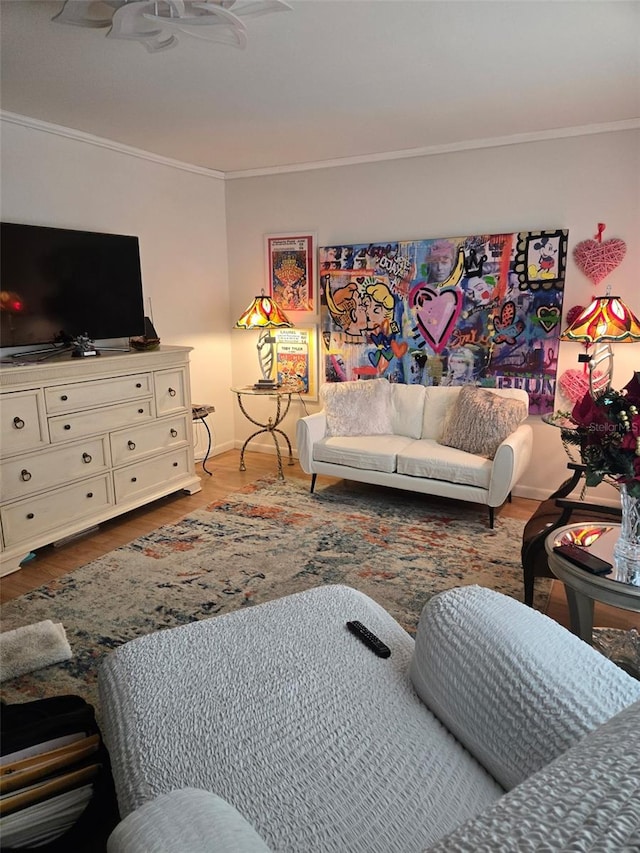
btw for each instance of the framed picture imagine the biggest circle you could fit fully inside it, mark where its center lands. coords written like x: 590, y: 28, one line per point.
x: 296, y: 362
x: 291, y: 272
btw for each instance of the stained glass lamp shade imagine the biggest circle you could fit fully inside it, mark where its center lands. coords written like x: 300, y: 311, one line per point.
x: 605, y: 321
x: 264, y: 314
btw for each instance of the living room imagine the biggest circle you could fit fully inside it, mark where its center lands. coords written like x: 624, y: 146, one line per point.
x: 202, y: 228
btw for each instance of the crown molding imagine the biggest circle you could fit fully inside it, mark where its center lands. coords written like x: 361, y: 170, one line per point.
x: 100, y: 142
x: 449, y: 148
x: 427, y: 151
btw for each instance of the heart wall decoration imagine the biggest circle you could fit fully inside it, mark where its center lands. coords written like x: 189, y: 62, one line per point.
x: 597, y: 258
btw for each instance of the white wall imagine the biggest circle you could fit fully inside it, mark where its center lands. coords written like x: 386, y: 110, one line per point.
x: 179, y: 217
x: 570, y: 183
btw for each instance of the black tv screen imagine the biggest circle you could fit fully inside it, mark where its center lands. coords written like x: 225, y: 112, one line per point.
x: 58, y: 284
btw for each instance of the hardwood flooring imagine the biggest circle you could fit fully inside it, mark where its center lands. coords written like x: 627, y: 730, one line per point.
x: 53, y: 561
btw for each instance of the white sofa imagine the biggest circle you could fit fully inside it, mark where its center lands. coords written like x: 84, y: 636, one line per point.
x: 389, y: 434
x: 275, y: 729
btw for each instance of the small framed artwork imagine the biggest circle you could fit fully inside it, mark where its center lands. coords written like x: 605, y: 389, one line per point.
x: 296, y: 361
x: 291, y: 272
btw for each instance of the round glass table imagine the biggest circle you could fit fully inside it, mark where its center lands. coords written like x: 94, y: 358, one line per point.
x: 583, y: 588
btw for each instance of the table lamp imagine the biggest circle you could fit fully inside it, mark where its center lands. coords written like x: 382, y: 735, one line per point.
x: 605, y: 321
x: 265, y: 314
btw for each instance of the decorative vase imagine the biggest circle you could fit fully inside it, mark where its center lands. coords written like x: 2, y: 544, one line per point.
x: 626, y: 552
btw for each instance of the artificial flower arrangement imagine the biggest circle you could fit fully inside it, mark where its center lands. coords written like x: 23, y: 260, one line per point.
x: 607, y: 430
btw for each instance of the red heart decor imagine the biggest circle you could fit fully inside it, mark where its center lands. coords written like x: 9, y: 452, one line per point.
x: 597, y: 259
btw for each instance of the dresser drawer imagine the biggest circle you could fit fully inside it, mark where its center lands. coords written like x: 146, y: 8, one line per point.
x: 54, y: 467
x: 155, y: 437
x: 25, y: 520
x: 20, y: 424
x: 67, y: 427
x: 85, y: 395
x: 171, y: 394
x: 148, y: 476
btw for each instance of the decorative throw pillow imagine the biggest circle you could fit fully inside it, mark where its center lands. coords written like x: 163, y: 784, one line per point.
x: 360, y: 407
x: 481, y: 420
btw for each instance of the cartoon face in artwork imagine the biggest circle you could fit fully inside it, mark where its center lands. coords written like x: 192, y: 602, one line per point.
x: 460, y: 367
x: 440, y: 259
x: 361, y: 307
x: 543, y: 258
x: 479, y: 292
x: 508, y: 325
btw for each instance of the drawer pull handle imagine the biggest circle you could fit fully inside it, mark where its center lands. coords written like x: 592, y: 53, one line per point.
x: 30, y: 515
x: 64, y: 398
x: 175, y: 464
x: 138, y: 384
x: 172, y: 392
x: 18, y: 423
x: 131, y: 445
x: 67, y: 426
x: 89, y: 494
x: 86, y: 457
x: 141, y: 411
x: 174, y: 433
x: 25, y: 475
x: 134, y: 479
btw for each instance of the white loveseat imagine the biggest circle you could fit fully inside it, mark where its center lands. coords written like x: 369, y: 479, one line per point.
x: 393, y: 435
x: 275, y: 729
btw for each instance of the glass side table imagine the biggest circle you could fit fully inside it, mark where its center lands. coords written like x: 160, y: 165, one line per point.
x: 583, y: 588
x: 282, y: 397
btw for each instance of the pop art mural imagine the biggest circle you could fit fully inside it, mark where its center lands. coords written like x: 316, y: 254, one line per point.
x: 481, y: 310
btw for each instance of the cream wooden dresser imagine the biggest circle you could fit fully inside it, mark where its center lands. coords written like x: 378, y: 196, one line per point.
x: 85, y: 439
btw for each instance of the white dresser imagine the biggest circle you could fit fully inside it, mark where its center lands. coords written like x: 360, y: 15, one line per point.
x: 85, y: 439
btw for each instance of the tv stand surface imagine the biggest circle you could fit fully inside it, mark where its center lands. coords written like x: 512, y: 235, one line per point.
x: 80, y: 347
x: 85, y: 439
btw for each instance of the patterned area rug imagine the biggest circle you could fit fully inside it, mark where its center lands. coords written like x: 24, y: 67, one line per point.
x: 271, y: 539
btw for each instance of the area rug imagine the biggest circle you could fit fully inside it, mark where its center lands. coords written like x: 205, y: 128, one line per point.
x: 271, y: 539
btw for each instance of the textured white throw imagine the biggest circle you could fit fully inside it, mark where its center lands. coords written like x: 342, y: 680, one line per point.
x: 32, y: 647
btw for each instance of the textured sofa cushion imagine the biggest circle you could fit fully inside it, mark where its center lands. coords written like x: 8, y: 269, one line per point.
x: 526, y: 689
x: 368, y: 452
x: 361, y: 407
x: 585, y: 800
x: 480, y: 421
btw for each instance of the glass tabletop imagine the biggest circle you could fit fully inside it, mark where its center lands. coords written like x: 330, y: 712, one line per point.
x: 277, y: 391
x: 597, y: 539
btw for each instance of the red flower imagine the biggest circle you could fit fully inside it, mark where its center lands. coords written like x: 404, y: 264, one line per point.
x: 632, y: 389
x: 587, y: 412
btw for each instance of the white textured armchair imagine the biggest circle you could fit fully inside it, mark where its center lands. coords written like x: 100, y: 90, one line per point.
x: 275, y: 729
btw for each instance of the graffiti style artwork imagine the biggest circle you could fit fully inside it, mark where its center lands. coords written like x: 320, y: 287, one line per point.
x: 482, y: 310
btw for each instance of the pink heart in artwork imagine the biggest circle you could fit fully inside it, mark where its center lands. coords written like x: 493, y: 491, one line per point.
x: 598, y: 259
x: 436, y: 313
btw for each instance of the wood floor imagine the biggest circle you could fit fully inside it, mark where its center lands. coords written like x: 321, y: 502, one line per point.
x: 53, y: 561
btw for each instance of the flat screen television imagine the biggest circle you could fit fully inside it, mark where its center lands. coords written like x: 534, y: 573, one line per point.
x: 58, y: 285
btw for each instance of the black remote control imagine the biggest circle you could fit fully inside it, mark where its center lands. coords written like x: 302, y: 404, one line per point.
x: 374, y: 643
x: 583, y: 559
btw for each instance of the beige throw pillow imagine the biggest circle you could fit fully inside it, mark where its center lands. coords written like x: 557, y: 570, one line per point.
x: 359, y: 407
x: 481, y: 420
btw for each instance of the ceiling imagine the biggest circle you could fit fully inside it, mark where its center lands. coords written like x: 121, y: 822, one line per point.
x: 331, y: 79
